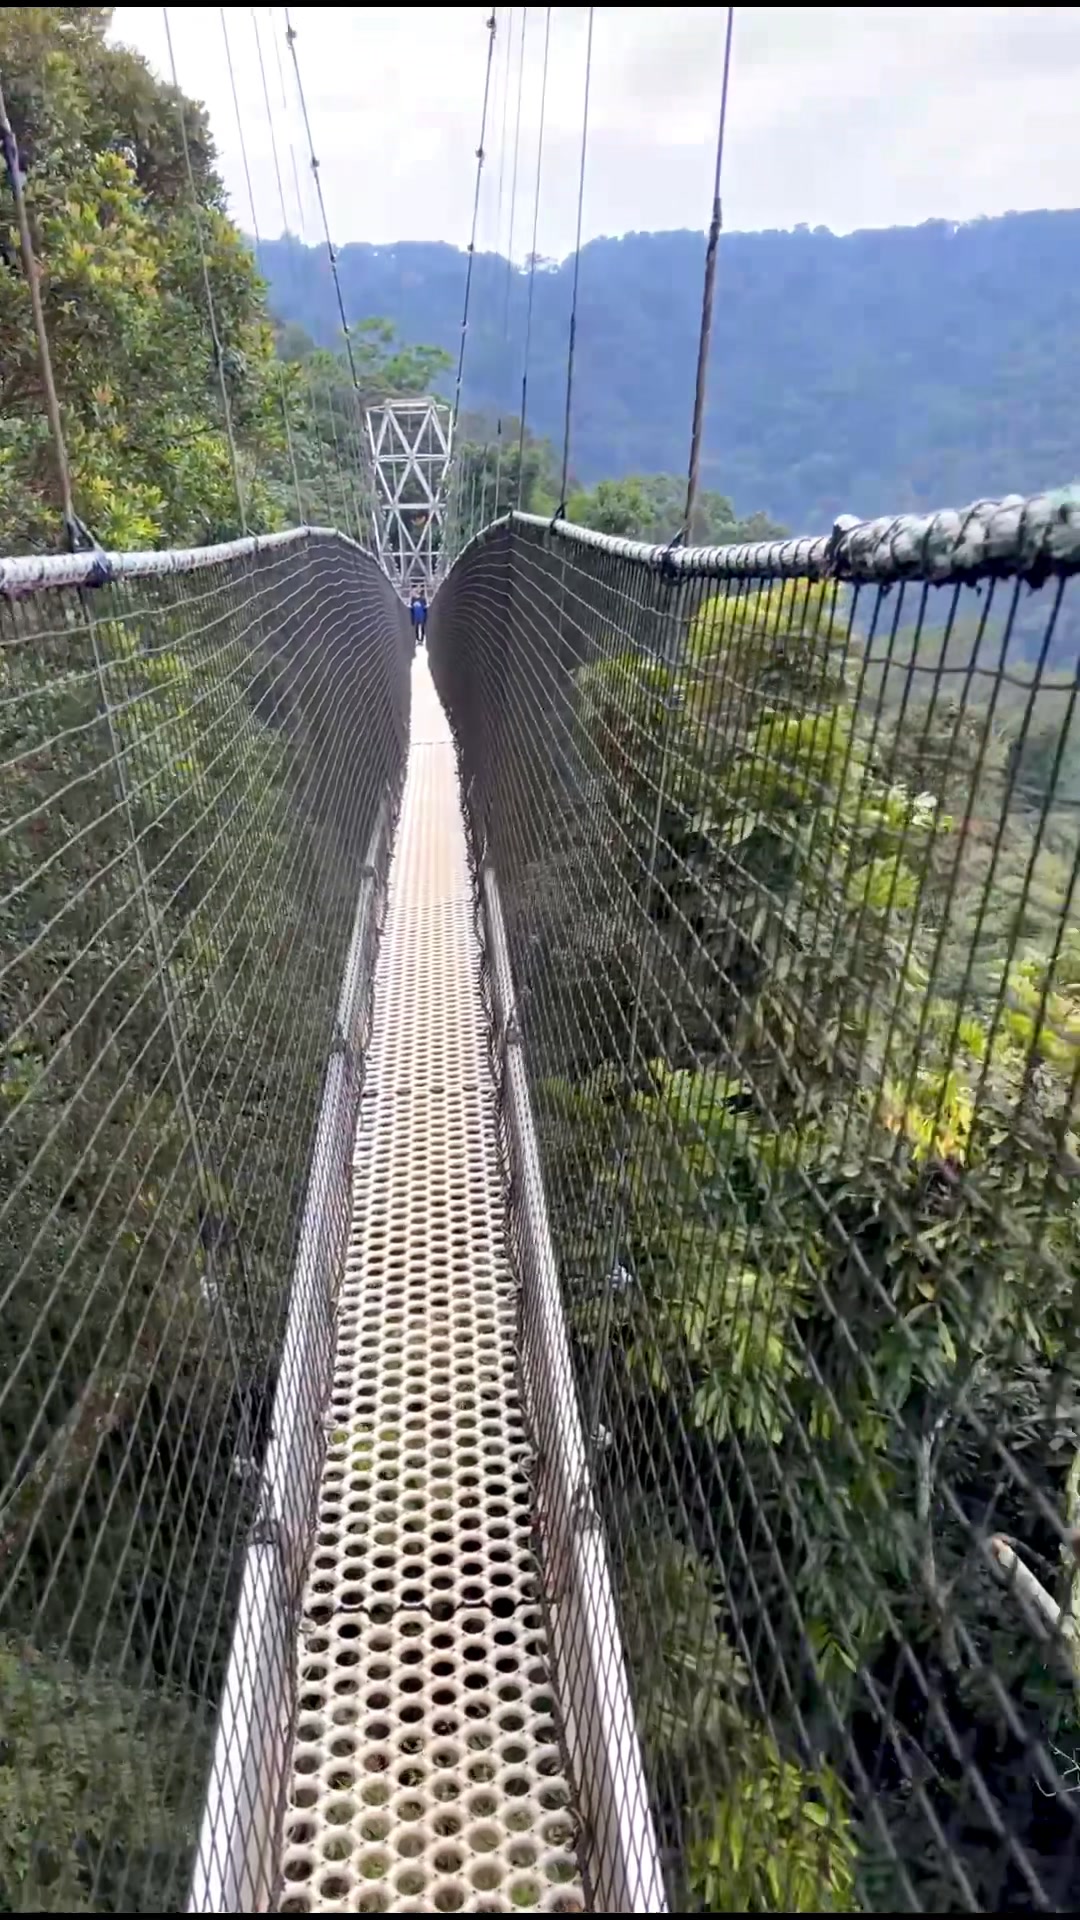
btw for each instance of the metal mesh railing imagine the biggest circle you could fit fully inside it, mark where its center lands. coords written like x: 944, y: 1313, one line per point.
x: 785, y: 844
x: 200, y: 758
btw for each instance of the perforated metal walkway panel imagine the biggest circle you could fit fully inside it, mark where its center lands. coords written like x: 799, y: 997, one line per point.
x: 426, y: 1773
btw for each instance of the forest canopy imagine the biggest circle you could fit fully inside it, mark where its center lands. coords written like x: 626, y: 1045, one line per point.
x: 168, y: 442
x: 903, y: 368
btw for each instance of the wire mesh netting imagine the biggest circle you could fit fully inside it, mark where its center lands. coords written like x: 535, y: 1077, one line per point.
x: 787, y: 866
x: 199, y: 769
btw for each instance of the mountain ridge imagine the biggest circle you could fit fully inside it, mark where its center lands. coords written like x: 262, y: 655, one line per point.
x: 888, y: 370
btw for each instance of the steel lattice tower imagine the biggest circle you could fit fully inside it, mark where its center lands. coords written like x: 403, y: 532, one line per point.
x: 410, y: 455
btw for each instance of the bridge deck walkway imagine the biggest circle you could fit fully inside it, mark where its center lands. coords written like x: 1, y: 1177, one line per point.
x: 426, y: 1776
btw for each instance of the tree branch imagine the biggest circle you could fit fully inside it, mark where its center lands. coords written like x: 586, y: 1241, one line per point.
x: 96, y: 1412
x: 1041, y: 1611
x: 936, y: 1592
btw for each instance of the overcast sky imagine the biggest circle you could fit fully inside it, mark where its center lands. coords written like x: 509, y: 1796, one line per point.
x: 838, y: 116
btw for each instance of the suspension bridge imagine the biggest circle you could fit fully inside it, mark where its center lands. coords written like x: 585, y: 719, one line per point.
x: 538, y: 1176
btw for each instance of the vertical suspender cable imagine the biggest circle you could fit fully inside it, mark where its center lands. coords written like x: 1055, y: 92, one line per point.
x: 219, y: 353
x: 510, y: 11
x: 78, y: 536
x: 510, y: 249
x: 705, y: 337
x: 577, y: 270
x: 256, y: 237
x: 312, y: 414
x: 342, y: 470
x: 491, y: 29
x: 290, y: 35
x: 331, y: 250
x: 532, y: 262
x: 72, y: 526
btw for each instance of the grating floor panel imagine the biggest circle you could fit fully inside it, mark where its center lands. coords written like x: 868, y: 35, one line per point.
x: 426, y: 1773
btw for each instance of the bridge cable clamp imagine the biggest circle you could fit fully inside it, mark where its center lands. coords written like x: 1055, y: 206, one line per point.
x: 667, y: 557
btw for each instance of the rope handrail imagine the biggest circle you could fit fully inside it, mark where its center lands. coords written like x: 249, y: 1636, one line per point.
x: 40, y: 572
x: 1024, y: 536
x: 787, y: 873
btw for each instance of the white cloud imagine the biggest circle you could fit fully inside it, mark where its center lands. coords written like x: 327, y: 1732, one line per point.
x: 839, y: 116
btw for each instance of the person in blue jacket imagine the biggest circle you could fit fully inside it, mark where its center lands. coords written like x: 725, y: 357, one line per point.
x: 418, y: 613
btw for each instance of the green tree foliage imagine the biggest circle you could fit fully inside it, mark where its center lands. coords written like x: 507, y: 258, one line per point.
x: 183, y: 989
x: 645, y: 507
x: 80, y: 1761
x: 651, y: 507
x: 126, y: 242
x: 842, y: 1215
x: 325, y: 410
x: 837, y: 386
x: 122, y: 244
x: 780, y: 1842
x: 168, y: 879
x: 389, y: 369
x: 779, y: 1836
x: 495, y: 473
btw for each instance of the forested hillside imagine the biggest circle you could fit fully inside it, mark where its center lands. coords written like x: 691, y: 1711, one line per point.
x: 877, y: 371
x: 790, y: 880
x: 143, y: 1264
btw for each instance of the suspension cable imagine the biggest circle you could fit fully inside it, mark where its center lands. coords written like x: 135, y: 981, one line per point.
x: 510, y: 11
x: 331, y: 250
x: 532, y: 261
x: 491, y: 31
x: 510, y: 246
x: 258, y: 242
x: 79, y: 537
x: 354, y: 433
x: 290, y: 36
x: 705, y: 336
x: 74, y: 531
x: 219, y: 353
x: 561, y: 510
x: 301, y: 212
x: 500, y: 97
x: 286, y: 227
x: 312, y: 410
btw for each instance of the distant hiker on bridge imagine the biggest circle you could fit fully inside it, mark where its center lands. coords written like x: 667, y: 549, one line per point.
x: 418, y: 614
